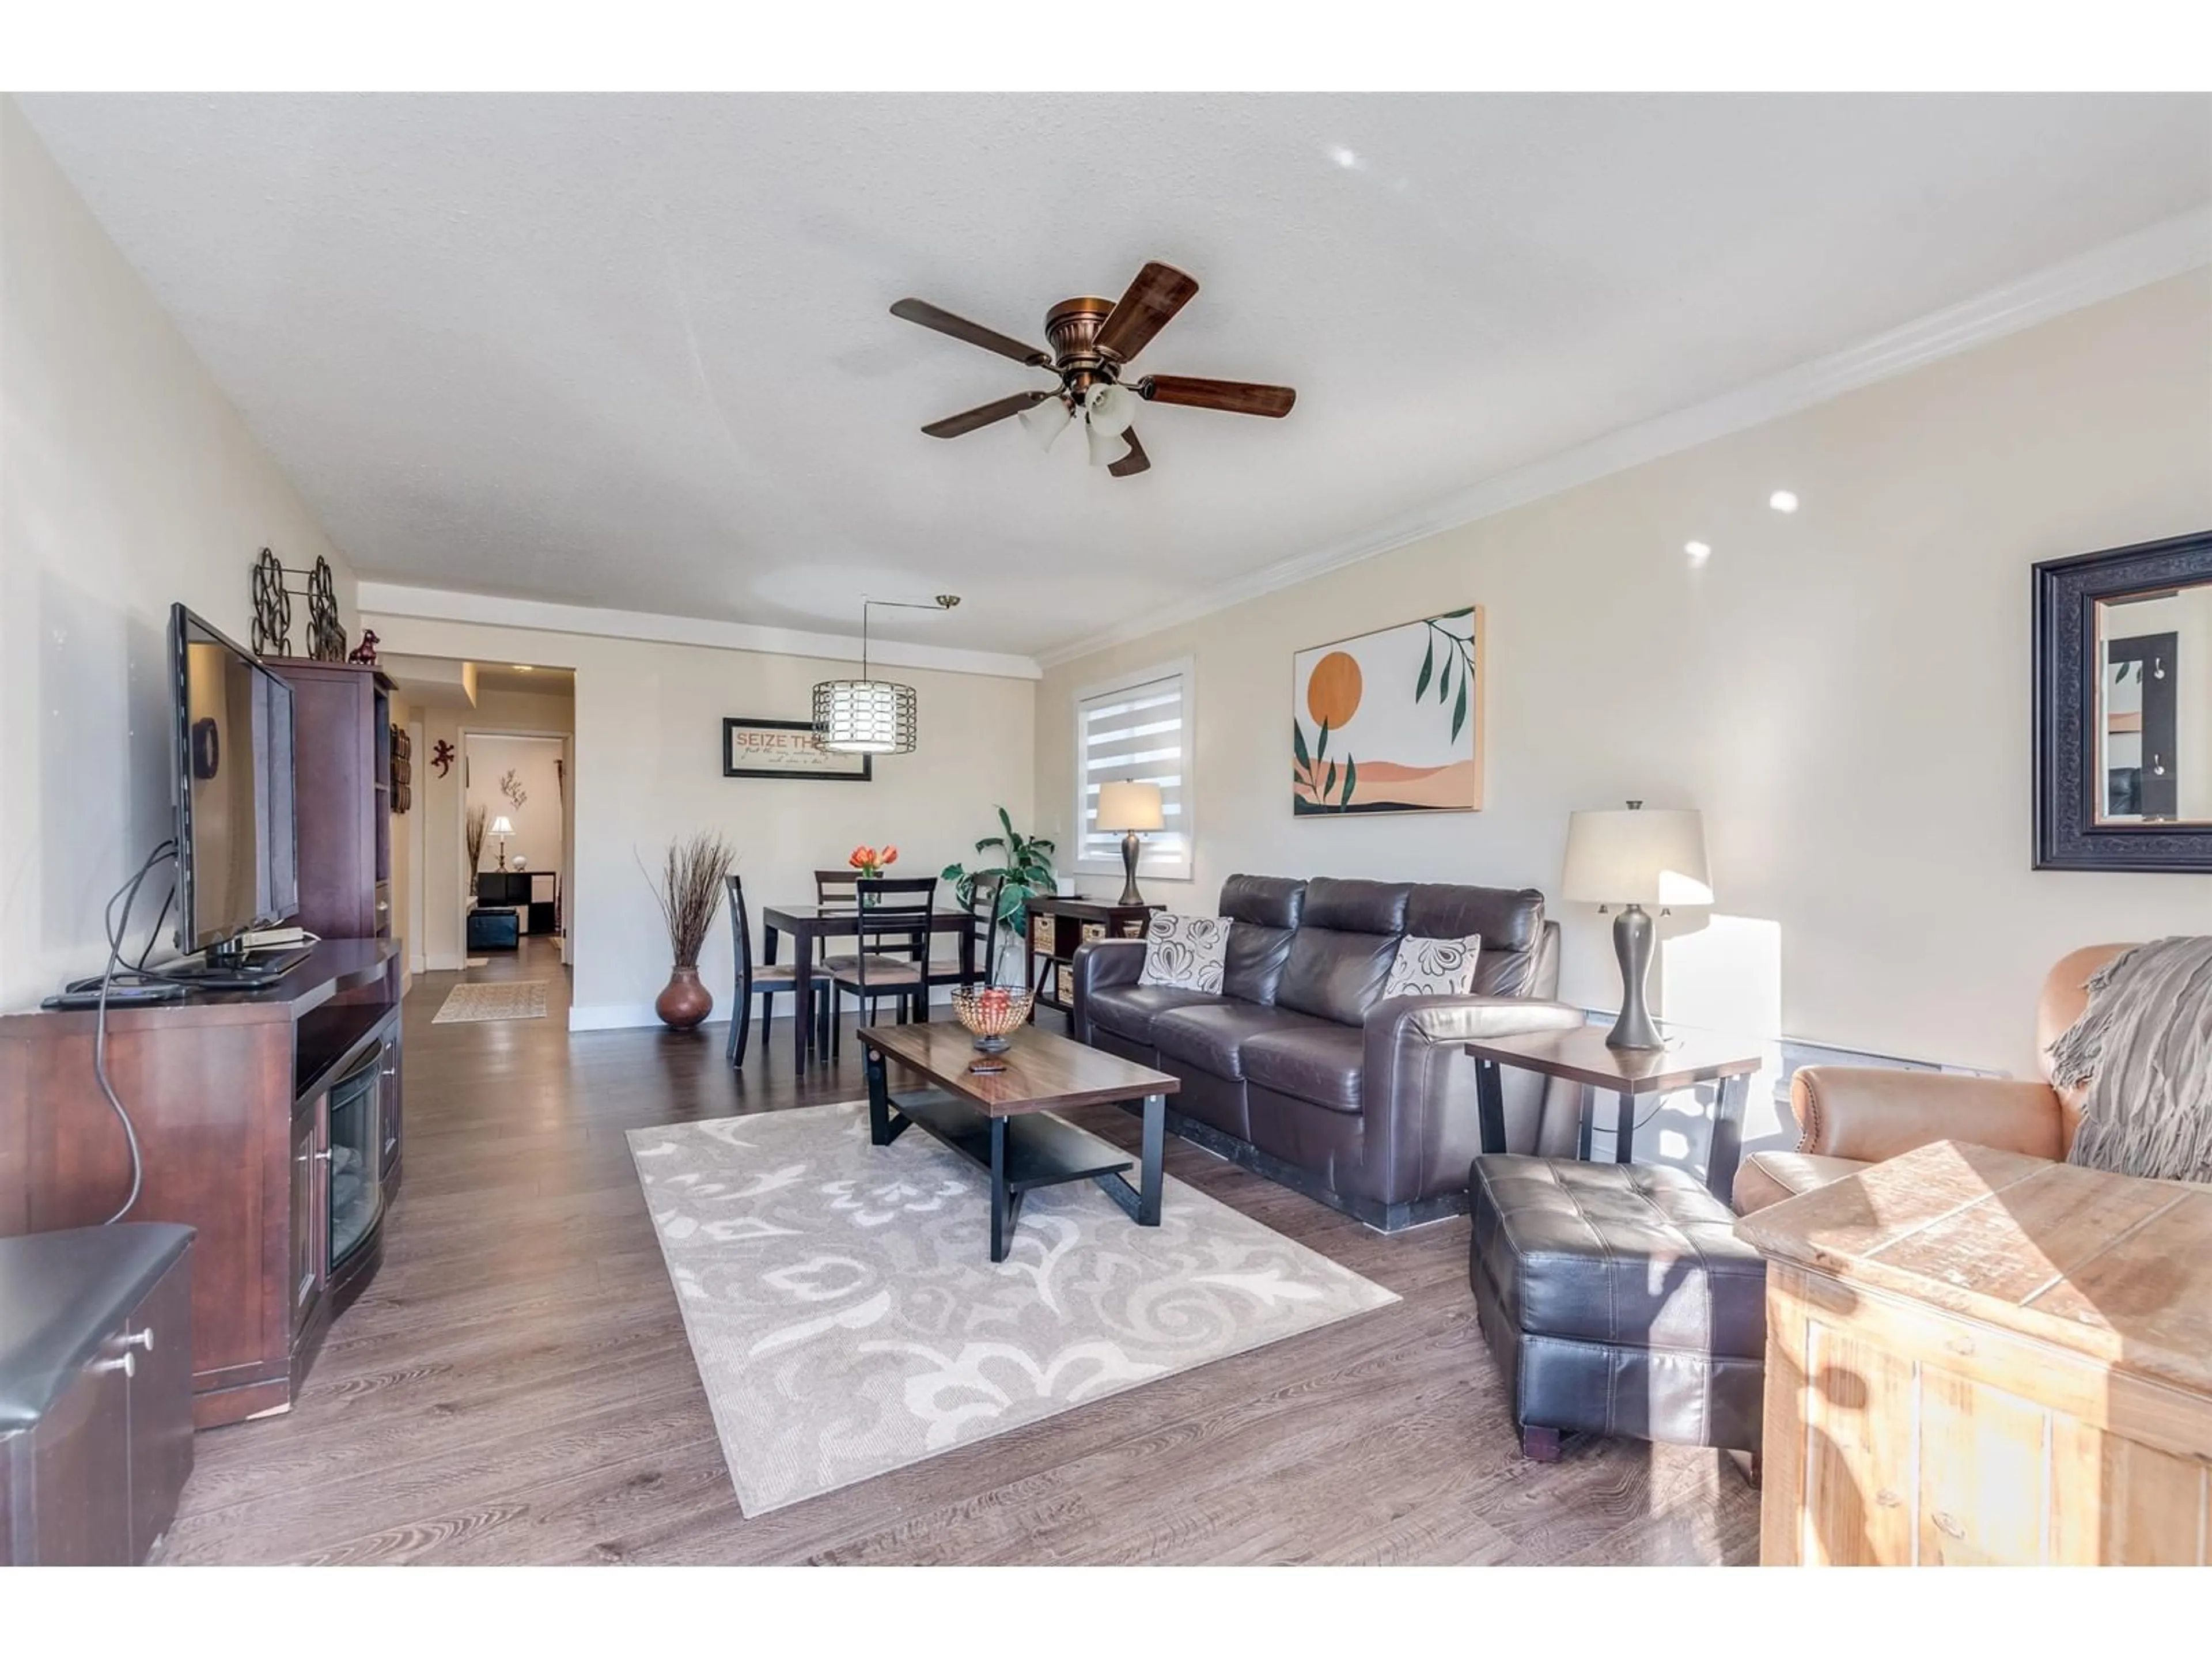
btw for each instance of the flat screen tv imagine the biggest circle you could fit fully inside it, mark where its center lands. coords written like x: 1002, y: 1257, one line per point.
x: 237, y: 844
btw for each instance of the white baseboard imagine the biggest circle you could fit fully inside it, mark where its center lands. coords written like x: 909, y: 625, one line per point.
x: 625, y: 1016
x: 621, y: 1015
x: 442, y: 962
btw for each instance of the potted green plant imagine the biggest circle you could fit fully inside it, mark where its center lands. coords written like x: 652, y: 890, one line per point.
x: 1025, y: 867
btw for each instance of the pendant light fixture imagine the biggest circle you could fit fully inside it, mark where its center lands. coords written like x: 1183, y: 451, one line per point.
x: 871, y: 716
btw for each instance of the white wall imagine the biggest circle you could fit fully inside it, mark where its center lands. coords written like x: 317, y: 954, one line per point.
x: 537, y: 837
x: 1844, y: 692
x: 127, y: 481
x: 648, y: 729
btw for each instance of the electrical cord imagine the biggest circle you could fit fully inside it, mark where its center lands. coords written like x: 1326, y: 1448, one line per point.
x: 117, y: 928
x: 167, y: 901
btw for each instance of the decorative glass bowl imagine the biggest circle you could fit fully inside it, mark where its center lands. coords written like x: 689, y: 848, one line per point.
x: 991, y: 1012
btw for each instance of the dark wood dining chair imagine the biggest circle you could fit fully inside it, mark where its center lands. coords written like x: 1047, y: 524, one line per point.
x: 893, y: 911
x: 834, y: 891
x: 984, y: 922
x: 766, y: 981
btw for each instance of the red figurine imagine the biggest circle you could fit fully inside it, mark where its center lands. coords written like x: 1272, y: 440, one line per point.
x: 365, y: 652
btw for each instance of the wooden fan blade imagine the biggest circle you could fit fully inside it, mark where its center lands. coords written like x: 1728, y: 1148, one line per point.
x: 1134, y: 462
x: 1153, y: 301
x: 930, y: 316
x: 953, y: 426
x: 1234, y: 397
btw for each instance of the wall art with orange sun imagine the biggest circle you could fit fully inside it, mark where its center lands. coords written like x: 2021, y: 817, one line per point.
x: 1390, y: 721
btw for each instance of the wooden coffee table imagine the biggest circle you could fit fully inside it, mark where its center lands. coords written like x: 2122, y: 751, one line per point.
x: 1001, y: 1119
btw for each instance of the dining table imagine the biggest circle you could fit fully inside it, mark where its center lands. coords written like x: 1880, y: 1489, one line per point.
x: 807, y: 923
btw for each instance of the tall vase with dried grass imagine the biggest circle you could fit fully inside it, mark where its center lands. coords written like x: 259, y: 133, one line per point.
x: 689, y: 892
x: 473, y: 830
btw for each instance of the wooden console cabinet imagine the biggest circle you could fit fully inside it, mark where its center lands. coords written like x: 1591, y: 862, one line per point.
x: 341, y: 713
x: 1978, y: 1357
x: 1059, y: 928
x: 231, y: 1095
x: 269, y: 1120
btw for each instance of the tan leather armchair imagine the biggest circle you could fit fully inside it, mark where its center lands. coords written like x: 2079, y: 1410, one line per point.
x: 1850, y: 1116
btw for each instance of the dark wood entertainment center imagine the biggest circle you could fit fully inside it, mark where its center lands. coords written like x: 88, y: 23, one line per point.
x: 269, y: 1120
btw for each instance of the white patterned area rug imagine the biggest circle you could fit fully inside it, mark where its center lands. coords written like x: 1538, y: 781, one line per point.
x: 520, y: 999
x: 847, y: 1319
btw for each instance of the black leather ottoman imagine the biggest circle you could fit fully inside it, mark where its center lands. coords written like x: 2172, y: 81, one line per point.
x: 494, y: 930
x: 95, y: 1392
x: 1618, y: 1301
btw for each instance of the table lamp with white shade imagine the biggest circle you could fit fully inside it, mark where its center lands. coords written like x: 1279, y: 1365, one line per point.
x: 502, y: 826
x: 1131, y: 808
x: 1632, y: 859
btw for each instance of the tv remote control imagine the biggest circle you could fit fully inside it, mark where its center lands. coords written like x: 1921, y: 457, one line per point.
x: 119, y: 996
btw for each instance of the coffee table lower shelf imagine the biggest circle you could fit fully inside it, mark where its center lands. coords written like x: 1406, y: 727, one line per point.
x: 1023, y: 1153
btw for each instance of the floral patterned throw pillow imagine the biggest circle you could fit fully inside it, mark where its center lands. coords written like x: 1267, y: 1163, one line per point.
x: 1432, y: 967
x: 1186, y: 952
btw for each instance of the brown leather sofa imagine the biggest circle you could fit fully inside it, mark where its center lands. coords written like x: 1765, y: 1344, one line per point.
x: 1850, y: 1116
x: 1302, y: 1071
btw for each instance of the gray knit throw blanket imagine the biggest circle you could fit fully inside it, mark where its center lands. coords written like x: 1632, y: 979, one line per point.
x: 2144, y: 1045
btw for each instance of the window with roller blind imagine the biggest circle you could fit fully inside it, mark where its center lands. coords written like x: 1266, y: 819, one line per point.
x: 1136, y: 728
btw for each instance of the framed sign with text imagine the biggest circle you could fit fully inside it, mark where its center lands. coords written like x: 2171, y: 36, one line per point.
x: 786, y: 749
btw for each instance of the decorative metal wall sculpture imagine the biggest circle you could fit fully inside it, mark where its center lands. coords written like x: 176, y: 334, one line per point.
x: 272, y: 611
x: 326, y: 641
x: 272, y: 608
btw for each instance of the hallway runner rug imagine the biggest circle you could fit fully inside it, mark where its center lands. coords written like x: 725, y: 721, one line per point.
x: 522, y: 999
x: 847, y: 1320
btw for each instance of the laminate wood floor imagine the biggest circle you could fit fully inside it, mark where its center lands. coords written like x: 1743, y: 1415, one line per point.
x: 515, y: 1386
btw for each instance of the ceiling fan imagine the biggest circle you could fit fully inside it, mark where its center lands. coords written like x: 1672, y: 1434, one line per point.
x: 1092, y: 341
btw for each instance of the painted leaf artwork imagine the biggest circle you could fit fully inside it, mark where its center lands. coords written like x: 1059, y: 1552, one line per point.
x: 1390, y: 721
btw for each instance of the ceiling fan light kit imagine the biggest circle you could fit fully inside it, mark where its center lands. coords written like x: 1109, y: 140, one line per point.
x: 1106, y: 449
x: 1092, y: 341
x: 1112, y: 408
x: 1045, y: 421
x: 869, y: 716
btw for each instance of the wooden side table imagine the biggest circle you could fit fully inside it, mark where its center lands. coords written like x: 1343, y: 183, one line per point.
x: 1059, y: 928
x: 1976, y: 1356
x: 1580, y: 1056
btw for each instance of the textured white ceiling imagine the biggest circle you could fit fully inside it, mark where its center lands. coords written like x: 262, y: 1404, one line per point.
x: 633, y: 351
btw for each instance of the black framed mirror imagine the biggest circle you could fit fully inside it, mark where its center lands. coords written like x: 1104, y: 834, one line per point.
x: 2123, y: 708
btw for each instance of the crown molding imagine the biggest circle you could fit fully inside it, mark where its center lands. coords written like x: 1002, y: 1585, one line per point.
x: 491, y: 611
x: 2163, y: 250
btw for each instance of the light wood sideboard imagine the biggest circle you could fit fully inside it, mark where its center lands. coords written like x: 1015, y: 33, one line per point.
x: 1975, y: 1356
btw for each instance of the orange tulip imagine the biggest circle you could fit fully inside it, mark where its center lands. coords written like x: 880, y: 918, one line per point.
x: 891, y: 855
